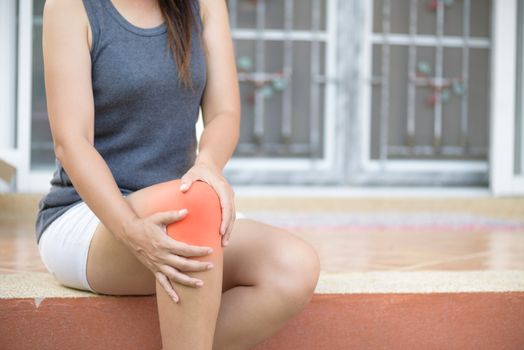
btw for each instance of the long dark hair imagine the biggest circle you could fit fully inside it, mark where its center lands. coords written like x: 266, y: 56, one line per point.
x: 180, y: 20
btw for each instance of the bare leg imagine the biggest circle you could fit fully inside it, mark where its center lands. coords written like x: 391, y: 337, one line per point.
x: 189, y: 324
x: 268, y: 276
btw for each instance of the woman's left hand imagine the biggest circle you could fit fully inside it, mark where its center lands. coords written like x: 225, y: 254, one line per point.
x: 211, y: 175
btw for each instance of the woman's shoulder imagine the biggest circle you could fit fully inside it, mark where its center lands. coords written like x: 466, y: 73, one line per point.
x: 66, y: 19
x: 66, y: 14
x: 64, y: 10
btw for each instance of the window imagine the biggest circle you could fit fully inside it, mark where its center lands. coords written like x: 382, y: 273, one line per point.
x: 430, y: 79
x: 281, y: 49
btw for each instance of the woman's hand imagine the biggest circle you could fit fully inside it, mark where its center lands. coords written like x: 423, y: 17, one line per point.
x: 163, y: 255
x: 211, y: 175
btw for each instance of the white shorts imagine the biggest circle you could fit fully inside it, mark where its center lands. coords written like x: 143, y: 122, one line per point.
x: 64, y: 245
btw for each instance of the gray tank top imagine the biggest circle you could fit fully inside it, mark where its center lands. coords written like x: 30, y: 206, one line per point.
x: 144, y: 119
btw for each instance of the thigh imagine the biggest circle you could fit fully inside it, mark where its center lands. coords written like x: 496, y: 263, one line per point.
x: 261, y: 253
x: 111, y: 267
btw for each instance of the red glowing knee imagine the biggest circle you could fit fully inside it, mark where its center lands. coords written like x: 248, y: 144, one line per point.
x: 201, y: 225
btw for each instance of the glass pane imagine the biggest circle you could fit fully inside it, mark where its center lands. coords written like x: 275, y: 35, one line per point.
x: 453, y: 18
x: 300, y: 93
x: 301, y: 16
x: 282, y: 81
x: 478, y: 121
x: 426, y: 19
x: 246, y: 14
x: 480, y: 25
x: 42, y: 154
x: 400, y: 16
x: 432, y: 100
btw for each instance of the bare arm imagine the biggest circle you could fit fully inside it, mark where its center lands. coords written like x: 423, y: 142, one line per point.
x: 221, y: 111
x: 67, y: 69
x: 221, y: 100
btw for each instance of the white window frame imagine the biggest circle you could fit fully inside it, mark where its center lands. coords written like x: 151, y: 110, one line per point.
x: 8, y: 149
x: 504, y: 82
x: 19, y: 155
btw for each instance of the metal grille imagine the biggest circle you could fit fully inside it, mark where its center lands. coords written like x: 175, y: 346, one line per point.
x: 430, y: 79
x: 281, y: 51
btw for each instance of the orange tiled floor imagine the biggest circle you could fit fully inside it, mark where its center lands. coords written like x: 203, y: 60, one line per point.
x: 365, y: 242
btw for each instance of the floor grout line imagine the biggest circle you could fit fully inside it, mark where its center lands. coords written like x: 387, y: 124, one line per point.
x: 435, y: 262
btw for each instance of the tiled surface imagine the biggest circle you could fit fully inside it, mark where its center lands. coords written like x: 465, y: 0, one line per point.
x: 407, y: 235
x: 18, y: 249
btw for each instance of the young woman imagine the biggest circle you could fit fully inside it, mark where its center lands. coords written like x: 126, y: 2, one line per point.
x: 124, y: 82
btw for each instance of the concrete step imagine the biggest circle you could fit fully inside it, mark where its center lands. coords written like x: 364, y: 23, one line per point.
x: 358, y: 310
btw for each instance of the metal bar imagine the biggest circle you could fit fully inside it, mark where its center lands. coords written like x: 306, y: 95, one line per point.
x: 346, y: 129
x: 465, y: 77
x: 255, y: 76
x: 420, y: 81
x: 314, y: 112
x: 260, y: 67
x: 439, y: 58
x: 430, y: 151
x: 233, y: 13
x: 431, y: 41
x: 294, y: 149
x: 287, y: 103
x: 420, y: 150
x: 410, y: 137
x: 279, y: 35
x: 384, y: 105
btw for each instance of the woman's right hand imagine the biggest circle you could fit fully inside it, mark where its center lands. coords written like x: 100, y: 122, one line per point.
x: 166, y: 257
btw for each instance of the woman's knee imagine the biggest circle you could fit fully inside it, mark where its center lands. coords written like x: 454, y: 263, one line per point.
x: 296, y: 269
x: 201, y: 224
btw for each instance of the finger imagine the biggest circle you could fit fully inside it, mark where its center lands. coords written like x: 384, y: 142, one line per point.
x: 167, y: 217
x: 175, y: 275
x: 225, y: 204
x: 231, y: 225
x: 185, y: 182
x: 229, y: 228
x: 225, y: 238
x: 186, y: 265
x: 184, y: 249
x: 164, y: 282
